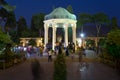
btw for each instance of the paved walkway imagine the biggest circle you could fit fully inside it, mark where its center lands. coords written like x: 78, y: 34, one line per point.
x: 90, y: 54
x: 75, y: 70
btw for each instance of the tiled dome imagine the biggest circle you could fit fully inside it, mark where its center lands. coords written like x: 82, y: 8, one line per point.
x: 60, y: 13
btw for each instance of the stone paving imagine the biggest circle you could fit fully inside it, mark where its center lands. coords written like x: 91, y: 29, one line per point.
x: 75, y: 71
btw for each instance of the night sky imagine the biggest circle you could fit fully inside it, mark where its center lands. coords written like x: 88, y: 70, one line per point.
x: 27, y: 8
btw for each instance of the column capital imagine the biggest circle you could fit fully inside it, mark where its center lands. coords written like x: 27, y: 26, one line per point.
x: 74, y: 25
x: 65, y: 26
x: 45, y: 25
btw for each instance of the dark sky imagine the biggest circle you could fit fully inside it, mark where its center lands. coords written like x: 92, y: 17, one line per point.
x: 27, y: 8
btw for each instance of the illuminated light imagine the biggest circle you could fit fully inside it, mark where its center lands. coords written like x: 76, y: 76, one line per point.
x: 25, y: 49
x: 48, y: 24
x: 63, y: 25
x: 55, y: 25
x: 27, y: 41
x: 71, y: 24
x: 82, y: 35
x: 79, y: 42
x: 39, y: 41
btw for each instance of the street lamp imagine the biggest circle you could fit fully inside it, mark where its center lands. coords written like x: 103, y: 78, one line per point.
x: 82, y: 36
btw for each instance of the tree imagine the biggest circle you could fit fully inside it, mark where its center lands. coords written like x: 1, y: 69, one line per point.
x: 4, y: 39
x: 102, y: 43
x: 113, y: 45
x: 70, y: 9
x: 11, y: 22
x: 90, y: 43
x: 7, y: 15
x: 32, y: 42
x: 21, y: 26
x: 114, y: 37
x: 83, y: 18
x: 27, y: 33
x: 114, y: 23
x: 99, y: 19
x: 37, y: 24
x: 6, y: 6
x: 3, y: 15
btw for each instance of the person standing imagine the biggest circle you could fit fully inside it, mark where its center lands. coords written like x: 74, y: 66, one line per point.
x: 49, y: 55
x: 80, y: 55
x: 72, y: 55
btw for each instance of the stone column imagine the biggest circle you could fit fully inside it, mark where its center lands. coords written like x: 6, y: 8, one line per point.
x: 66, y: 34
x: 24, y: 42
x: 74, y: 33
x: 54, y: 36
x: 45, y: 33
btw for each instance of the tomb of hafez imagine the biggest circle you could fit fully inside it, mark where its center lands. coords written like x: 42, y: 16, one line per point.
x: 59, y: 18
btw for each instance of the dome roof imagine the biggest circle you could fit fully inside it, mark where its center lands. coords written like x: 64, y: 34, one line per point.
x: 60, y: 13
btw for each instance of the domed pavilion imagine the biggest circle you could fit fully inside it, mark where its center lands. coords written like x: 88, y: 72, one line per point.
x: 59, y: 17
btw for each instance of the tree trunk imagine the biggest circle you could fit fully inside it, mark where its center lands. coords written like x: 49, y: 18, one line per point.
x: 98, y: 26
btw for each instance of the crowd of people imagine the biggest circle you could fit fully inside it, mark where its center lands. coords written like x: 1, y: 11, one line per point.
x: 47, y: 50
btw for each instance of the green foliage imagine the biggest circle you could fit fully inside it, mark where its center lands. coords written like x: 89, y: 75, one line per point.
x: 18, y: 55
x: 37, y: 24
x: 11, y: 22
x: 90, y: 42
x: 4, y: 39
x: 7, y: 15
x: 37, y: 21
x: 10, y: 57
x: 114, y: 50
x: 27, y: 33
x: 114, y: 37
x: 22, y: 26
x: 60, y: 72
x: 32, y: 42
x: 70, y: 9
x: 114, y: 23
x: 106, y: 55
x: 8, y: 54
x: 100, y: 18
x: 3, y: 13
x: 2, y: 45
x: 83, y: 18
x: 14, y: 37
x: 6, y: 6
x: 102, y: 43
x: 106, y: 58
x: 113, y: 43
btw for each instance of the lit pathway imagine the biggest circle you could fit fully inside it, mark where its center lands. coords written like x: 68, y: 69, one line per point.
x: 90, y: 54
x: 93, y: 71
x: 18, y: 72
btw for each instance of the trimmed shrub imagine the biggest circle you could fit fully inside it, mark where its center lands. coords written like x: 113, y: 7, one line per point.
x: 60, y: 71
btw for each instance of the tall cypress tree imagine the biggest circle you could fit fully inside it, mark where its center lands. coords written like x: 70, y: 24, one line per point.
x: 114, y: 23
x: 21, y: 26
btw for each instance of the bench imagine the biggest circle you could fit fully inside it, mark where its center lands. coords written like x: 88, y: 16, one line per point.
x: 3, y: 61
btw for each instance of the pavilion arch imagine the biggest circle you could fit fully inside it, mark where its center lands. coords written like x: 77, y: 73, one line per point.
x: 56, y: 17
